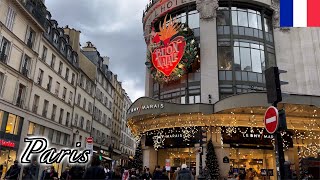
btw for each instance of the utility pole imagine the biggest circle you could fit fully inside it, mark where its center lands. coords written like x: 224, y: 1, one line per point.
x: 274, y: 96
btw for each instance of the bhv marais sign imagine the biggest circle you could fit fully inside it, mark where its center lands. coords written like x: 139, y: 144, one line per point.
x: 144, y: 107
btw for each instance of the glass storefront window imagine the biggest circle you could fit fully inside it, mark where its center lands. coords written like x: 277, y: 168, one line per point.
x: 223, y: 17
x: 1, y: 117
x: 31, y: 128
x: 224, y: 58
x: 193, y: 19
x: 50, y: 135
x: 12, y: 126
x: 6, y: 159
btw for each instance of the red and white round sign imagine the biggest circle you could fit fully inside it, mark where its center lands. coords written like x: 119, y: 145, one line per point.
x: 89, y: 140
x: 271, y: 119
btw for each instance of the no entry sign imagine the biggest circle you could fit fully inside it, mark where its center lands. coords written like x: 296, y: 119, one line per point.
x: 90, y: 140
x: 271, y: 119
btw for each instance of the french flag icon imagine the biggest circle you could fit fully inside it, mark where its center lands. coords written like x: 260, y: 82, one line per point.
x: 299, y: 13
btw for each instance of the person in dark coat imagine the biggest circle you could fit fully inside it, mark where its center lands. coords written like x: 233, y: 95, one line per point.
x: 13, y: 172
x: 146, y: 175
x: 95, y: 171
x: 159, y: 174
x: 31, y: 172
x: 76, y: 172
x: 51, y: 174
x: 184, y: 173
x: 65, y: 174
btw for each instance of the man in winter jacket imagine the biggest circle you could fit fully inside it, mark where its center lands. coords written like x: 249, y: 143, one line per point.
x: 184, y: 173
x: 95, y: 171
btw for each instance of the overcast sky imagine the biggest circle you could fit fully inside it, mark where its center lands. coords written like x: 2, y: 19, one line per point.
x: 115, y: 28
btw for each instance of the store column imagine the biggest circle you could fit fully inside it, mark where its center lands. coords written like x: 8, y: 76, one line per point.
x: 150, y: 157
x: 208, y: 50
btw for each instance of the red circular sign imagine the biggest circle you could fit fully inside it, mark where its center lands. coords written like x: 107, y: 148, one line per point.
x: 89, y: 140
x: 271, y: 119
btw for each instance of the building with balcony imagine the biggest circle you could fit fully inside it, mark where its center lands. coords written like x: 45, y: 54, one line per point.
x: 50, y: 86
x: 127, y: 141
x: 205, y: 71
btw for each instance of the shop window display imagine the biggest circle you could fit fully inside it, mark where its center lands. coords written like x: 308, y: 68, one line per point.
x: 12, y: 126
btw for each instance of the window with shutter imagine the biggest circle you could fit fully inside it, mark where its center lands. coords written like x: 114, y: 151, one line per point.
x: 10, y: 18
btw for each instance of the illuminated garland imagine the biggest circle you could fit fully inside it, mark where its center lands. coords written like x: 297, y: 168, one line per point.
x: 190, y: 56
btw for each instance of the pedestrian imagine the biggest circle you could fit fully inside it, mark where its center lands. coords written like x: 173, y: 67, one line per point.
x: 184, y: 173
x: 146, y: 175
x: 76, y: 172
x: 1, y: 170
x: 32, y: 171
x: 125, y: 175
x: 51, y: 174
x: 65, y: 174
x: 13, y: 172
x: 157, y: 174
x: 95, y: 171
x: 175, y: 174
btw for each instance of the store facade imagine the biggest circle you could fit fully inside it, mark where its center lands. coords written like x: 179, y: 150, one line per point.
x: 205, y: 68
x: 11, y: 126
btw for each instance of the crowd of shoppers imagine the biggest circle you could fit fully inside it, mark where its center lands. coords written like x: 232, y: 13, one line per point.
x: 95, y: 171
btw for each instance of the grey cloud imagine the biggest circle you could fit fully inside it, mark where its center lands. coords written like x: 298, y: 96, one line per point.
x: 116, y: 30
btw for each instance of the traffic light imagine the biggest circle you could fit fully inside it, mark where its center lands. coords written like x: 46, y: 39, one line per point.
x: 100, y: 157
x: 273, y: 84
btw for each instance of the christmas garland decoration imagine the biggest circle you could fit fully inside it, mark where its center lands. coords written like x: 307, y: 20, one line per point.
x: 191, y: 55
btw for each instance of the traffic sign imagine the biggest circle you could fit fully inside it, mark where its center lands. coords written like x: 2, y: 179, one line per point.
x: 89, y: 145
x: 90, y: 140
x: 271, y: 119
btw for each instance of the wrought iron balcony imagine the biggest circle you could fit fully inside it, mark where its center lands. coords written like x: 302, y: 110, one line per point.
x: 25, y: 71
x: 3, y: 57
x: 37, y: 9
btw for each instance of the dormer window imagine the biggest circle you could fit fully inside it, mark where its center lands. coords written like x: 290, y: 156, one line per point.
x: 55, y: 38
x: 48, y: 30
x: 69, y: 53
x: 75, y: 59
x: 63, y: 46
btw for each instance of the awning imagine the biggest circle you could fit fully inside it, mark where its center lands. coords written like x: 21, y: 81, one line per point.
x: 106, y: 158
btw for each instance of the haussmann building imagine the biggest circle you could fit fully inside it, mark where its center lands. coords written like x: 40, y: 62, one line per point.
x: 205, y: 66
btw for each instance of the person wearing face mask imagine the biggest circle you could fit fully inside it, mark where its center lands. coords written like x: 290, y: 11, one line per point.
x: 51, y: 174
x: 13, y: 172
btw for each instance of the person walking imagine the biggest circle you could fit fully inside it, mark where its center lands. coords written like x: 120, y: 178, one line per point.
x: 146, y: 175
x: 175, y: 174
x: 65, y: 174
x: 31, y: 172
x: 51, y: 174
x: 184, y: 173
x: 95, y: 171
x: 13, y: 172
x: 76, y: 172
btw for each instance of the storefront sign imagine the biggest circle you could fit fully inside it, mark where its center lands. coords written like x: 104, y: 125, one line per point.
x: 168, y: 164
x: 162, y: 7
x: 225, y: 159
x: 145, y: 107
x: 7, y: 143
x: 245, y: 136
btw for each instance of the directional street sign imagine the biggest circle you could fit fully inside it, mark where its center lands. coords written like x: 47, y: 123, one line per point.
x: 271, y: 119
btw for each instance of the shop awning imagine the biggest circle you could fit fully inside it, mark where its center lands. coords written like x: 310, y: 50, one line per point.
x: 106, y: 158
x: 147, y: 114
